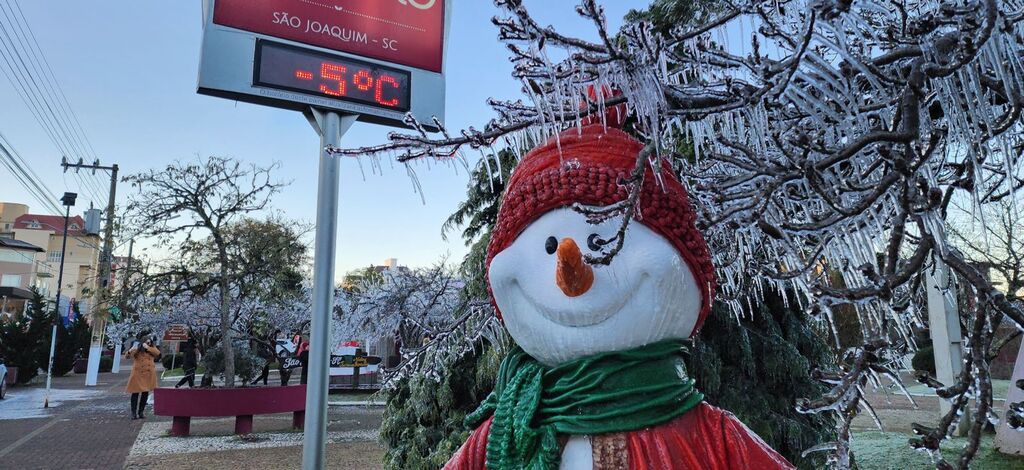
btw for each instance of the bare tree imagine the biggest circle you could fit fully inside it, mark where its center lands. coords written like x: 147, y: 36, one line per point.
x: 829, y: 143
x: 424, y: 309
x: 203, y: 197
x: 997, y: 246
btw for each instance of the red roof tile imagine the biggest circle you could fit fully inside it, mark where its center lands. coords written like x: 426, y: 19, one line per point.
x: 51, y: 223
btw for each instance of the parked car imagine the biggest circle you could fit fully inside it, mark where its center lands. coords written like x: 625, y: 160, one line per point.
x: 3, y: 379
x: 284, y: 348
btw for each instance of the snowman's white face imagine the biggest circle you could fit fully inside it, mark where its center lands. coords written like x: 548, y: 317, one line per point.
x: 645, y: 295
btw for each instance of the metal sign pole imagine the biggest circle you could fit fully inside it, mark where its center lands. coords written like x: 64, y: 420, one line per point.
x: 330, y: 125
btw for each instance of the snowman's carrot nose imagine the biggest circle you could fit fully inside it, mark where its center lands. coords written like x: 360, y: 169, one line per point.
x: 572, y: 274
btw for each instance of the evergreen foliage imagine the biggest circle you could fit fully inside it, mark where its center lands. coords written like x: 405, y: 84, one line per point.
x: 22, y: 338
x: 247, y: 364
x: 40, y: 321
x: 758, y: 366
x: 72, y: 344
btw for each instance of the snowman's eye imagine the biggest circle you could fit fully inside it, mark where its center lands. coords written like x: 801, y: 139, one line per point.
x: 551, y: 245
x: 594, y: 242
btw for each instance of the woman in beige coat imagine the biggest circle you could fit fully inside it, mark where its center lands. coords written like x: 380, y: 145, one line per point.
x: 143, y: 377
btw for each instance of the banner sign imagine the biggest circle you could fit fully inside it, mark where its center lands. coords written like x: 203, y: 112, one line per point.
x: 289, y: 363
x: 405, y: 32
x: 348, y: 360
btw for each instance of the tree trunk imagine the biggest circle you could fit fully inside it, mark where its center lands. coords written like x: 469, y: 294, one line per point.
x: 225, y: 321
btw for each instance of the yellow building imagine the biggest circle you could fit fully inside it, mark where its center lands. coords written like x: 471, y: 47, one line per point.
x: 81, y: 262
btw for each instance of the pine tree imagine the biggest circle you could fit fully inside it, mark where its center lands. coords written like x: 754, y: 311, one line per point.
x: 72, y: 343
x: 22, y: 338
x: 758, y: 366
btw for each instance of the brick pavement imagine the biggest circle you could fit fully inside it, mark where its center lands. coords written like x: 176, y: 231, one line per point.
x: 89, y: 428
x: 91, y: 433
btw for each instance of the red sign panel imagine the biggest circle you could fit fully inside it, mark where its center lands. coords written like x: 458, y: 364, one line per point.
x: 405, y: 32
x: 176, y: 333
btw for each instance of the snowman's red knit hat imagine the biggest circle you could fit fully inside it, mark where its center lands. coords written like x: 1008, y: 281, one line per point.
x: 585, y: 165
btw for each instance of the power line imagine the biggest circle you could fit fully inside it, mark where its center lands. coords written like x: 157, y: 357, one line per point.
x: 53, y: 105
x: 54, y: 113
x: 52, y: 78
x: 28, y: 180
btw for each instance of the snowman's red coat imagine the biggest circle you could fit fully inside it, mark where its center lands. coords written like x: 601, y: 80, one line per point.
x: 703, y: 438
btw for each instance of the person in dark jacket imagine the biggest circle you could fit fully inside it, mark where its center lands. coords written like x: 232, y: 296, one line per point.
x: 304, y: 358
x: 188, y: 364
x: 265, y: 351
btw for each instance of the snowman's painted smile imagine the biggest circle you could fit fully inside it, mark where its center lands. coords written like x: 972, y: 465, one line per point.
x: 579, y: 317
x: 557, y: 310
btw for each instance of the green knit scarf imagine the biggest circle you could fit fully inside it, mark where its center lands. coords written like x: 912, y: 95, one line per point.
x: 607, y: 392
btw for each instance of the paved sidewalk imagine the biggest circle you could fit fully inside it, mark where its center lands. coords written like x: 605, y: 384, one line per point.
x: 84, y: 428
x: 89, y: 428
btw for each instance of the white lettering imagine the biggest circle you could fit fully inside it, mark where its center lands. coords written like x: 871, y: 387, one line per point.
x: 338, y: 32
x: 422, y: 5
x: 281, y: 17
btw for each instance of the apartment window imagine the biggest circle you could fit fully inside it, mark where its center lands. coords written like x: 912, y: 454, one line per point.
x: 10, y: 280
x: 34, y: 224
x: 53, y: 256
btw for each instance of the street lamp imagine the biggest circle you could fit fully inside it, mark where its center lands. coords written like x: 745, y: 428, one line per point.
x: 68, y: 200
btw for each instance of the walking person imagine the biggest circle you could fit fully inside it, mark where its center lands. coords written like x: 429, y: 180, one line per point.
x: 188, y: 364
x: 143, y: 377
x: 265, y: 351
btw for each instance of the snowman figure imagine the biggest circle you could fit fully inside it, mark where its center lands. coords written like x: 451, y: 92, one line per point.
x: 598, y: 380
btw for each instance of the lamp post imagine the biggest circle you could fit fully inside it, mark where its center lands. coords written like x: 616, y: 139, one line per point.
x: 68, y: 200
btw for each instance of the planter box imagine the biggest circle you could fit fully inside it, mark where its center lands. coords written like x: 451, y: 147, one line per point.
x: 185, y: 403
x: 12, y: 375
x: 81, y: 366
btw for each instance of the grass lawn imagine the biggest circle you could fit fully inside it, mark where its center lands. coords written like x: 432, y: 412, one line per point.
x: 885, y: 451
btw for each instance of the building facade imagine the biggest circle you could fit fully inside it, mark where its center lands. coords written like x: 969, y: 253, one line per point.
x: 18, y: 274
x: 81, y: 261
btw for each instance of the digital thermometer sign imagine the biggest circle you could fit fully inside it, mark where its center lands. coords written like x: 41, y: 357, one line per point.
x: 307, y: 71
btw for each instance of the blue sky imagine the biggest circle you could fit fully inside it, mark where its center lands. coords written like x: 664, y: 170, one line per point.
x: 129, y: 69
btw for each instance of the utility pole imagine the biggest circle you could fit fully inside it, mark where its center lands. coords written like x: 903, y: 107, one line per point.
x: 99, y: 315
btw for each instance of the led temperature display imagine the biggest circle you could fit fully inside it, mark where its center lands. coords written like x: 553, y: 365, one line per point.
x: 302, y: 70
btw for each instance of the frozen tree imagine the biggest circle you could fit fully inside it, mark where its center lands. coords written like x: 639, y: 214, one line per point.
x: 422, y: 308
x: 830, y: 137
x: 200, y: 313
x: 203, y: 197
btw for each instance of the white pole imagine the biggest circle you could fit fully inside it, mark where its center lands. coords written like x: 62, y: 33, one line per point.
x: 116, y: 368
x: 49, y: 368
x: 330, y: 125
x: 947, y: 339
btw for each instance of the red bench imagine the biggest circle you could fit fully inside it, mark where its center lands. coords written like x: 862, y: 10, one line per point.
x: 185, y: 403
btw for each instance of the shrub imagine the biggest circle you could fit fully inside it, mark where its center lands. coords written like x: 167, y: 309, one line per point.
x: 924, y: 360
x: 247, y: 365
x: 25, y: 342
x: 172, y: 361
